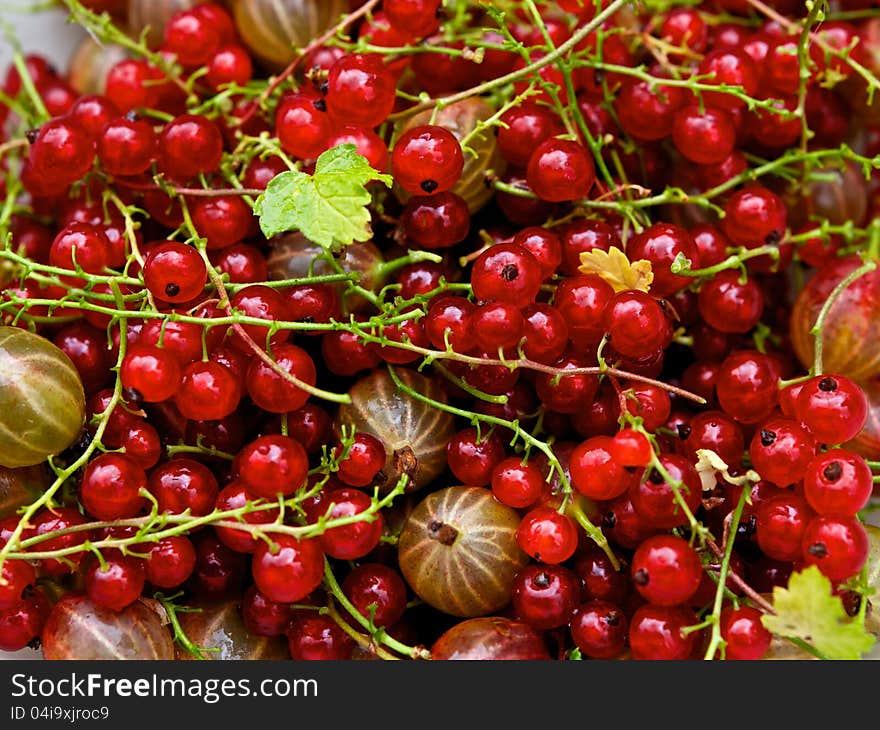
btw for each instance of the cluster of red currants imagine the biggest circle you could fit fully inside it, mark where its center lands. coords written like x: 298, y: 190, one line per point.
x: 586, y: 393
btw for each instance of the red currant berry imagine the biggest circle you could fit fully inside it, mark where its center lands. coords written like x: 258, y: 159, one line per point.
x: 153, y: 373
x: 837, y: 546
x: 560, y: 170
x: 833, y: 407
x: 115, y: 582
x: 274, y: 392
x: 171, y: 562
x: 516, y: 483
x: 289, y: 569
x: 361, y: 90
x: 599, y: 629
x: 110, y: 487
x: 271, y: 465
x: 507, y: 273
x: 666, y: 570
x: 744, y: 634
x: 547, y: 535
x: 376, y: 591
x: 545, y: 596
x: 427, y: 159
x: 838, y: 483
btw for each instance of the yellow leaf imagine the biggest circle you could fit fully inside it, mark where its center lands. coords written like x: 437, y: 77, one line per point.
x: 615, y: 268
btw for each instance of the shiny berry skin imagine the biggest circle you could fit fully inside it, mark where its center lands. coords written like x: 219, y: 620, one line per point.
x: 259, y: 301
x: 516, y: 483
x: 647, y: 113
x: 545, y: 333
x: 426, y: 160
x: 170, y: 562
x: 436, y: 221
x: 545, y: 596
x: 51, y: 521
x: 560, y: 170
x: 833, y: 407
x: 595, y: 471
x: 92, y: 112
x: 661, y: 244
x: 718, y: 432
x: 496, y: 325
x: 378, y: 591
x: 837, y: 546
x: 685, y: 28
x: 544, y: 245
x: 365, y: 457
x: 110, y: 488
x: 174, y: 272
x: 191, y: 38
x: 781, y: 523
x: 131, y: 84
x: 242, y: 262
x: 781, y: 450
x: 730, y: 304
x: 229, y: 65
x: 219, y: 570
x: 473, y: 456
x: 62, y: 151
x: 666, y: 570
x: 448, y: 321
x: 86, y: 346
x: 599, y: 629
x: 115, y: 584
x: 360, y: 90
x: 318, y: 638
x: 262, y: 616
x: 24, y: 622
x: 416, y: 18
x: 233, y: 496
x: 744, y: 635
x: 754, y: 215
x: 208, y: 391
x: 506, y: 272
x: 367, y: 143
x: 728, y: 66
x: 838, y: 483
x: 153, y: 373
x: 188, y: 145
x: 630, y: 448
x: 655, y: 633
x: 747, y: 385
x: 183, y: 484
x: 527, y: 125
x: 582, y: 300
x: 705, y: 136
x: 654, y: 498
x: 80, y: 245
x: 636, y: 323
x: 222, y: 219
x: 127, y: 146
x: 356, y: 539
x: 275, y: 393
x: 547, y: 535
x: 302, y: 125
x: 271, y: 465
x: 289, y: 570
x: 17, y: 575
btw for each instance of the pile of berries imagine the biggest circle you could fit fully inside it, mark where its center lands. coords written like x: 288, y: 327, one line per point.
x: 614, y: 308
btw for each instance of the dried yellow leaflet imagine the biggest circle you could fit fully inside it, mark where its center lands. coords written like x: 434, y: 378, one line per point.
x: 615, y: 268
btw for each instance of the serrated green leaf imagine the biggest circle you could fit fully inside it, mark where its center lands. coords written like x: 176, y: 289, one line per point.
x: 808, y: 610
x: 329, y: 207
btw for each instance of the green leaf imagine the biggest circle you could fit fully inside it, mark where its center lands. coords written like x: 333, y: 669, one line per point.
x: 808, y: 610
x: 329, y: 207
